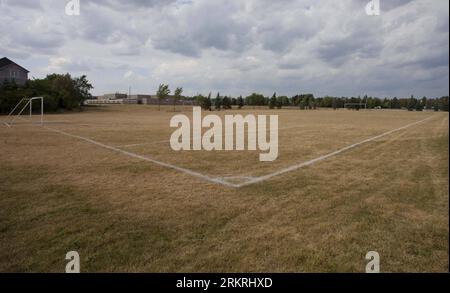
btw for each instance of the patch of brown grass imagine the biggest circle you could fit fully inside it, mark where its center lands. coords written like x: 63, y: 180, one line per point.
x: 122, y: 214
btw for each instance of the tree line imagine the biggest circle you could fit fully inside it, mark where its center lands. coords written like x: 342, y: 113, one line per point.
x: 60, y: 92
x: 309, y: 102
x: 411, y: 103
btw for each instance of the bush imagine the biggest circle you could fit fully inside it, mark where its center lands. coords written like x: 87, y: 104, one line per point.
x: 240, y: 102
x: 256, y: 100
x: 226, y: 103
x: 204, y: 102
x: 273, y: 101
x: 59, y: 92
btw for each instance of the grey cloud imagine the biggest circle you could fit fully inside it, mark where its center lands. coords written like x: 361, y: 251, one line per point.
x: 13, y: 52
x: 279, y: 24
x: 326, y: 47
x: 339, y: 51
x: 25, y: 37
x: 279, y: 39
x: 78, y: 66
x: 177, y: 44
x: 45, y: 43
x: 21, y: 4
x: 432, y: 60
x: 130, y: 4
x: 201, y: 27
x: 392, y: 4
x: 385, y: 5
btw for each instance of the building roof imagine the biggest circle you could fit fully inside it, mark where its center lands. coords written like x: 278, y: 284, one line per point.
x: 5, y: 61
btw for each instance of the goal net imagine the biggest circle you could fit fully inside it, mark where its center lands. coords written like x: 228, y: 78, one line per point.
x: 24, y: 111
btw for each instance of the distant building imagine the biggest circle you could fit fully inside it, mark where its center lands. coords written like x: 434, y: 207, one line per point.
x: 137, y: 99
x: 151, y: 100
x: 110, y: 97
x: 141, y: 99
x: 116, y: 98
x: 10, y: 71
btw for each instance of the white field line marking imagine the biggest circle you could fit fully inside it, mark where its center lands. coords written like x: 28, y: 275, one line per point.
x: 142, y: 143
x: 251, y: 180
x: 184, y: 170
x: 321, y: 158
x: 164, y: 141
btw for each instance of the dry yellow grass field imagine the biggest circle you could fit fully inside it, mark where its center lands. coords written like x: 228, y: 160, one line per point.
x: 121, y: 213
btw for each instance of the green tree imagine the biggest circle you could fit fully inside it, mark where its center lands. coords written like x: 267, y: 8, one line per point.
x: 177, y: 96
x: 411, y: 103
x: 83, y: 88
x: 419, y: 106
x: 201, y: 101
x: 162, y: 93
x: 218, y: 102
x: 273, y: 101
x: 60, y: 91
x: 226, y: 103
x: 240, y: 102
x: 386, y: 103
x: 443, y: 103
x: 423, y: 102
x: 284, y: 100
x: 295, y: 100
x: 311, y: 102
x: 255, y: 100
x: 436, y: 106
x: 430, y: 104
x: 303, y: 102
x: 279, y: 104
x: 208, y: 102
x: 395, y: 104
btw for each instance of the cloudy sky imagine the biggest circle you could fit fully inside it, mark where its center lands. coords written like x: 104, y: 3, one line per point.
x: 236, y: 46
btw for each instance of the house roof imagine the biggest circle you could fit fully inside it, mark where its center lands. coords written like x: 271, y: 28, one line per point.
x: 5, y: 61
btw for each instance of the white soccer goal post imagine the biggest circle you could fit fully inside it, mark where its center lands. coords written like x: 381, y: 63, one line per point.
x: 22, y: 105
